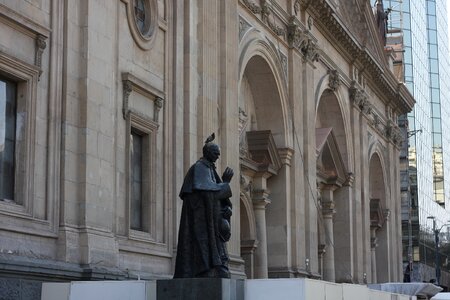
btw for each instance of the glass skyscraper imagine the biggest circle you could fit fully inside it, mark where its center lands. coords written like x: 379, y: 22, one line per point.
x: 422, y: 26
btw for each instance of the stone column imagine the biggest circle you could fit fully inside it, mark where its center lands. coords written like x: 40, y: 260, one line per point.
x: 344, y: 227
x: 328, y: 212
x: 373, y: 253
x: 260, y: 201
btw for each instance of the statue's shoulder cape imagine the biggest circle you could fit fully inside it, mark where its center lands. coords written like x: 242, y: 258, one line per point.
x: 202, y: 177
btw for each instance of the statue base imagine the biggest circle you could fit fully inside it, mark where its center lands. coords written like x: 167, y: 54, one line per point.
x: 200, y: 289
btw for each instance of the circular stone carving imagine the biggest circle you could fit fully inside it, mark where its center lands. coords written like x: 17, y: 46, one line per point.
x: 142, y: 18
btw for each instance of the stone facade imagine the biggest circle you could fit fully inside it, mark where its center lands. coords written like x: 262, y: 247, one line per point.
x: 299, y: 93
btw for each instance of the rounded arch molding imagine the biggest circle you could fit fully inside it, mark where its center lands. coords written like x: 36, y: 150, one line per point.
x: 375, y: 149
x: 247, y: 203
x: 255, y: 44
x: 146, y: 36
x: 323, y: 86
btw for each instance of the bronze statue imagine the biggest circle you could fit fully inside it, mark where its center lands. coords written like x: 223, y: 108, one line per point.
x: 205, y: 218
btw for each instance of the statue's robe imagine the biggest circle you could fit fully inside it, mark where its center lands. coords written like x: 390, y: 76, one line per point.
x: 201, y: 248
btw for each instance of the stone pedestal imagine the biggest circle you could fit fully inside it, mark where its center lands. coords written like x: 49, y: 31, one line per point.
x: 200, y: 289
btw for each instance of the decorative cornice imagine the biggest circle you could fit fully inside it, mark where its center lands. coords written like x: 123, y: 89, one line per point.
x: 383, y: 78
x: 133, y: 84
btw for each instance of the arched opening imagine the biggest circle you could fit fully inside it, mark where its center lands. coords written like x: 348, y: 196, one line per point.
x: 260, y: 101
x: 379, y: 234
x: 334, y: 190
x: 262, y: 133
x: 329, y: 114
x: 249, y: 243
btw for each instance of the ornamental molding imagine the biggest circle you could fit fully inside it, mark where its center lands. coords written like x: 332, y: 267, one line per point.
x: 386, y: 83
x: 349, y: 180
x: 303, y: 3
x: 29, y: 28
x: 360, y: 99
x: 302, y: 39
x: 244, y: 26
x: 385, y: 128
x: 328, y: 209
x: 297, y: 6
x: 131, y: 83
x: 265, y: 10
x: 284, y: 63
x: 41, y: 44
x: 145, y: 38
x: 334, y: 79
x: 253, y: 7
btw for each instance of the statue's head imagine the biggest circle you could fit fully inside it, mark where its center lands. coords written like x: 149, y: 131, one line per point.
x: 211, y: 151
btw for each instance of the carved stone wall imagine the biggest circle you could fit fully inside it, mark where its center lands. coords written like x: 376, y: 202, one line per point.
x: 91, y: 74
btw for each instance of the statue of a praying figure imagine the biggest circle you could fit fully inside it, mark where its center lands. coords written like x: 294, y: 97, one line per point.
x: 205, y: 218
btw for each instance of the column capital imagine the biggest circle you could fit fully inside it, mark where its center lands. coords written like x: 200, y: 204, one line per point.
x: 286, y: 155
x: 249, y: 246
x: 260, y: 198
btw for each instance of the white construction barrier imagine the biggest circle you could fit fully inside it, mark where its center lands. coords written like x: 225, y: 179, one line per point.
x: 308, y: 289
x: 257, y: 289
x: 99, y: 290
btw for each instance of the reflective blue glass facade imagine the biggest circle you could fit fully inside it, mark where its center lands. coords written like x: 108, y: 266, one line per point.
x: 424, y: 28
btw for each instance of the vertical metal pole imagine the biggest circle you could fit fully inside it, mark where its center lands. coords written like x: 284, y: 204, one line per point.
x: 436, y: 245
